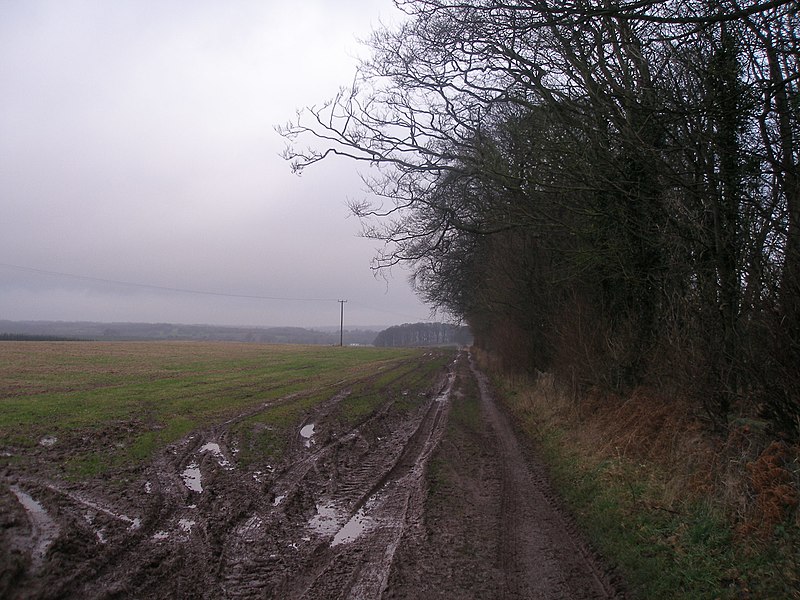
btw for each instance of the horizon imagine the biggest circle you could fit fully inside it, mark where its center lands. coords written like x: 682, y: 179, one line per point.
x: 321, y: 328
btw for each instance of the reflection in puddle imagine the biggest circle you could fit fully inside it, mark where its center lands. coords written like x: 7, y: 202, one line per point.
x: 214, y: 449
x: 326, y: 521
x: 45, y: 529
x: 352, y: 529
x: 185, y: 525
x: 307, y: 432
x: 192, y: 478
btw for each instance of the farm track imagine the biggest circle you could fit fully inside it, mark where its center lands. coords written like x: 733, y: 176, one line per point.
x: 348, y: 513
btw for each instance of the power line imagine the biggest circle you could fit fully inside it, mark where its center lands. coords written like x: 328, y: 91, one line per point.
x: 198, y: 292
x: 161, y: 287
x: 390, y: 312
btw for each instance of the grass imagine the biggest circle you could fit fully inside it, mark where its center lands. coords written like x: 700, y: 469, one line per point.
x: 404, y: 381
x: 264, y: 436
x: 119, y: 402
x: 680, y: 511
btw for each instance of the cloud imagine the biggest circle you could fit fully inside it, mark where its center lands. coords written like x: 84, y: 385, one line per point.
x: 138, y: 145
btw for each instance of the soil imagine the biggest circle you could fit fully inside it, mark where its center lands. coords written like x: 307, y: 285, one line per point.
x: 437, y: 501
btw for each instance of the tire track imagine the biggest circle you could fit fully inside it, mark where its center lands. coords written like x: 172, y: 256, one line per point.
x: 242, y: 533
x: 318, y: 495
x: 542, y: 554
x: 357, y: 566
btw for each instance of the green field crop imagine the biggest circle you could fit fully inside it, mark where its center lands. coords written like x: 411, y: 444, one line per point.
x: 118, y: 402
x: 405, y: 383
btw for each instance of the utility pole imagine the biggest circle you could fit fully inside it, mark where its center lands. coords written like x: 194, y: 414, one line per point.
x: 341, y: 323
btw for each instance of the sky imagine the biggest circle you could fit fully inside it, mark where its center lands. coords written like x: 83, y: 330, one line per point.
x: 139, y: 165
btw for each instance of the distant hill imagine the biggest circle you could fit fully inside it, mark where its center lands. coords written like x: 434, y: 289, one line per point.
x: 424, y: 334
x: 81, y: 330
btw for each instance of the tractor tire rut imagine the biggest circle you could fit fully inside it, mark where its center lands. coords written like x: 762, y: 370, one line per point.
x: 423, y: 497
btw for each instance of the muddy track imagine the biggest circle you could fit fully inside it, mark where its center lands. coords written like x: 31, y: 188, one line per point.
x: 350, y: 512
x: 492, y: 526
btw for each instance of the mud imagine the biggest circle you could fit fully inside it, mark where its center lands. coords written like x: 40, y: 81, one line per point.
x: 426, y: 499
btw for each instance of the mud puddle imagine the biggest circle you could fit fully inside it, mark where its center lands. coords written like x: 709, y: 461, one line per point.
x: 44, y: 529
x: 193, y: 478
x: 354, y: 528
x: 307, y: 433
x: 214, y: 449
x: 343, y: 514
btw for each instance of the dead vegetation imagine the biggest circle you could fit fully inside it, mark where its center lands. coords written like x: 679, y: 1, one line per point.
x: 662, y: 458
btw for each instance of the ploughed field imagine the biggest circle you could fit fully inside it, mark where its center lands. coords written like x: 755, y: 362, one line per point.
x: 216, y: 470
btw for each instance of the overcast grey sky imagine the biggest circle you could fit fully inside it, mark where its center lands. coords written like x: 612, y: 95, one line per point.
x: 137, y: 145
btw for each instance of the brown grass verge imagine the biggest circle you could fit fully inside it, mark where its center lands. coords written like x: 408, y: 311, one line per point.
x: 664, y: 445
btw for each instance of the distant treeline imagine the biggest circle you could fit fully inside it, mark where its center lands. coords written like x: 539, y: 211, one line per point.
x: 63, y: 330
x: 410, y: 334
x: 424, y: 334
x: 21, y: 337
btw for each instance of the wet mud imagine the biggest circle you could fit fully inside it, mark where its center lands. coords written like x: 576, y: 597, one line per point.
x: 426, y: 499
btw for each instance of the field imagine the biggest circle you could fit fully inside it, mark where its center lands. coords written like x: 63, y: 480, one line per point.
x: 101, y: 406
x: 223, y: 470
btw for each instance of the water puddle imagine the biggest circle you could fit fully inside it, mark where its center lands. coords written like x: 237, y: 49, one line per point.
x: 45, y: 529
x: 214, y: 449
x: 352, y: 529
x: 327, y: 520
x: 185, y: 526
x: 307, y: 433
x: 444, y: 395
x: 192, y: 478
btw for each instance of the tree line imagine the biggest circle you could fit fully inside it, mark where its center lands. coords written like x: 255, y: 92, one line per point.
x: 606, y: 189
x: 423, y: 334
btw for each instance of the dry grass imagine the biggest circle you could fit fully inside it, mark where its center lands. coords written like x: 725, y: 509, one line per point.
x: 746, y: 473
x: 660, y: 461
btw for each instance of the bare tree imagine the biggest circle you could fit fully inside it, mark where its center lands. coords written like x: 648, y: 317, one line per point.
x: 535, y: 157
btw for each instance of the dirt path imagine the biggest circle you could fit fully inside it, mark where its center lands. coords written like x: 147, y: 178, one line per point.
x: 426, y: 499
